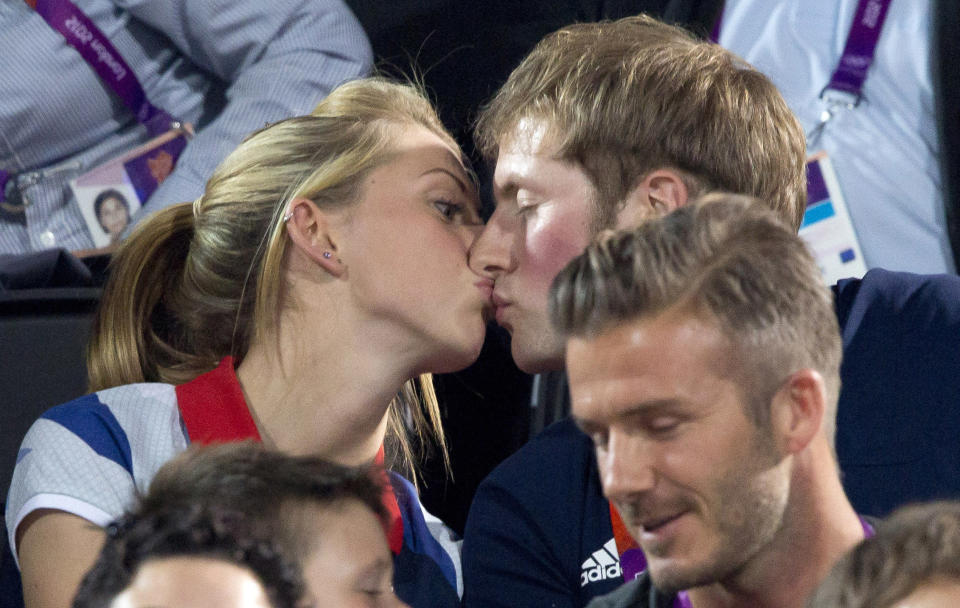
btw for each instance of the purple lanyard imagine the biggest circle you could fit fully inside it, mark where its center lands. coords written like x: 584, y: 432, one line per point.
x: 858, y: 54
x: 97, y: 50
x: 683, y: 599
x: 845, y: 89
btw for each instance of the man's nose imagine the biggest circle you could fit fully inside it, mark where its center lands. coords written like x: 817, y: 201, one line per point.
x: 492, y: 253
x: 626, y: 467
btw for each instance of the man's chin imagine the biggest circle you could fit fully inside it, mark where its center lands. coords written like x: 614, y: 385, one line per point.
x: 535, y: 350
x: 670, y: 578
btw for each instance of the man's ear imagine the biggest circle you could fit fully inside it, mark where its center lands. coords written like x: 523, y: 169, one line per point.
x: 309, y: 229
x: 657, y: 194
x: 797, y: 410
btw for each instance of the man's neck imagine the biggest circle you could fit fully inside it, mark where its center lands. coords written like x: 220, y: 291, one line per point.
x: 819, y: 527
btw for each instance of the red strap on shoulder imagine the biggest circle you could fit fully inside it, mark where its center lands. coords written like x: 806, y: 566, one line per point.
x: 625, y: 542
x: 394, y: 527
x: 213, y: 408
x: 214, y: 411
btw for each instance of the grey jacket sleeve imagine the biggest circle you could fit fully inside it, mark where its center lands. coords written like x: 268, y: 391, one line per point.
x: 274, y: 59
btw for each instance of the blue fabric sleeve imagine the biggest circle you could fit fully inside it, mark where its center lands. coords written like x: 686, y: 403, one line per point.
x: 898, y: 417
x: 426, y: 569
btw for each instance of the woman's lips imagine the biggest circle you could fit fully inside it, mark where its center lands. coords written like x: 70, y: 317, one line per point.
x: 486, y: 288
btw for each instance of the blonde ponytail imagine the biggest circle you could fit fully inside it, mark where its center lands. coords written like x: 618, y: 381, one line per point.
x: 199, y: 281
x: 126, y: 346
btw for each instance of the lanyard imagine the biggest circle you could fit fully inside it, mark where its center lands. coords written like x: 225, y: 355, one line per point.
x: 97, y: 50
x: 632, y: 561
x: 845, y: 89
x: 4, y: 178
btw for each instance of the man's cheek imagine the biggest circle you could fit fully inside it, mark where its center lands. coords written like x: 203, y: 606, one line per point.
x: 550, y: 246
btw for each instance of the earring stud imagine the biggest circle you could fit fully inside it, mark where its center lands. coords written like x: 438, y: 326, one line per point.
x: 288, y: 216
x: 327, y: 254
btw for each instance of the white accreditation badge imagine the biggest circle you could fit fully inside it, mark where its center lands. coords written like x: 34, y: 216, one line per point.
x: 826, y: 226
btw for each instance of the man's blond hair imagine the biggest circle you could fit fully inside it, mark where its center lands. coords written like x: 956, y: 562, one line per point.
x: 626, y: 97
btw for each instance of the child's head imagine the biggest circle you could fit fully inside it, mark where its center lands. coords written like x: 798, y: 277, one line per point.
x: 912, y: 561
x: 327, y: 520
x: 191, y: 556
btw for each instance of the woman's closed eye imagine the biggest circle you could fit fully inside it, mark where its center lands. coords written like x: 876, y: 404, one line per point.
x: 453, y: 211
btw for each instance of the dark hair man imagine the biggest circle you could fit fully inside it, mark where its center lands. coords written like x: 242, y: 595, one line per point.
x: 703, y: 357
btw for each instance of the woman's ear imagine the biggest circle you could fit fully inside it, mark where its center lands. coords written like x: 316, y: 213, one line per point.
x: 310, y: 230
x: 658, y: 193
x: 798, y: 409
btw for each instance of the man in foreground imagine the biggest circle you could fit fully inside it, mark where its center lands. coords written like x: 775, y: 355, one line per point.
x: 703, y: 356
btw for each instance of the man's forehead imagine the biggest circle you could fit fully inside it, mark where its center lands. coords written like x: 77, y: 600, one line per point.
x: 531, y: 135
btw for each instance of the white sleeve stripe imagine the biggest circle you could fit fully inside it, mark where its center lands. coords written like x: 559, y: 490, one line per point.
x: 448, y: 541
x: 58, y: 502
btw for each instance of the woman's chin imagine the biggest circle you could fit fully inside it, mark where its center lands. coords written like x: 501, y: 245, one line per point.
x: 460, y: 355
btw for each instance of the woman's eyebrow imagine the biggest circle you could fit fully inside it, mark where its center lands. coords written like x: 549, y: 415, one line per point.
x: 456, y: 178
x: 477, y: 206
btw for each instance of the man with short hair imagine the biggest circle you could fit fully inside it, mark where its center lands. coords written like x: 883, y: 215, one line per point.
x: 707, y: 377
x: 605, y: 125
x: 602, y: 126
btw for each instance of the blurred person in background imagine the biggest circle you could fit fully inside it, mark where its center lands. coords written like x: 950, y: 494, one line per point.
x: 225, y: 72
x: 913, y: 561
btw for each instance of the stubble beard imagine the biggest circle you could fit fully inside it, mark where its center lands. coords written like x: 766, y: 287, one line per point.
x: 537, y: 350
x: 752, y: 513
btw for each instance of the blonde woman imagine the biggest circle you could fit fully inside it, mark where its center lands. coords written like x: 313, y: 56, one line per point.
x: 324, y: 268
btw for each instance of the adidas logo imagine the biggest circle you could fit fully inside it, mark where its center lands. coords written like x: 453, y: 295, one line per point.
x: 602, y: 565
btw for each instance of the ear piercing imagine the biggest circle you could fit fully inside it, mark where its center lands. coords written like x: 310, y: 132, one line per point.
x: 327, y: 254
x: 288, y: 216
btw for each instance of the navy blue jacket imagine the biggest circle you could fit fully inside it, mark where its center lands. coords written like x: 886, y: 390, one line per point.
x: 539, y: 523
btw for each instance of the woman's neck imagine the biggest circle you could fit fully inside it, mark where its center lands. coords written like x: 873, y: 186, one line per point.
x: 324, y: 396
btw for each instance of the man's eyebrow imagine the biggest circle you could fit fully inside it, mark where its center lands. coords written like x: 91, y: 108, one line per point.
x: 647, y: 406
x: 514, y: 182
x: 506, y: 190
